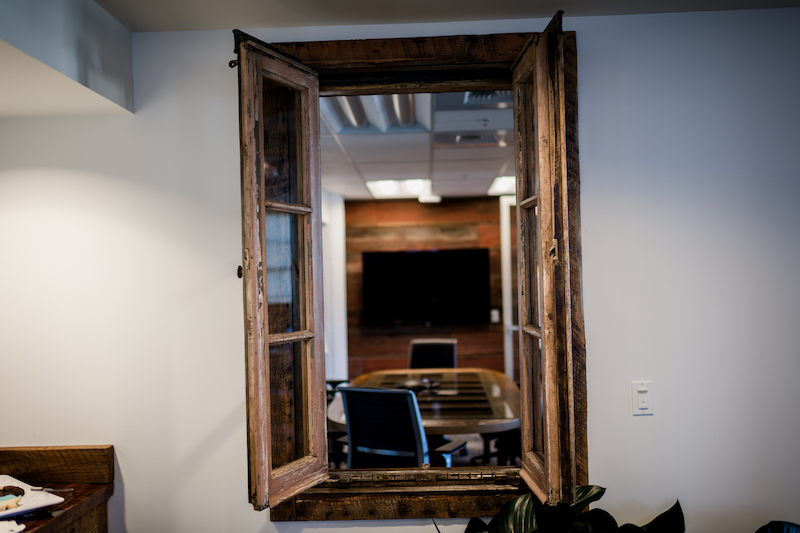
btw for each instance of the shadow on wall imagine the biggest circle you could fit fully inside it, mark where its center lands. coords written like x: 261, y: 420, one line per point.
x: 104, y: 57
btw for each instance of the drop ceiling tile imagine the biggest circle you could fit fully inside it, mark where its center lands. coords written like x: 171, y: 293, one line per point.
x: 351, y: 191
x: 471, y: 153
x: 478, y: 169
x: 323, y: 128
x: 463, y: 187
x: 343, y: 179
x: 386, y: 147
x: 395, y: 171
x: 331, y: 153
x: 472, y: 120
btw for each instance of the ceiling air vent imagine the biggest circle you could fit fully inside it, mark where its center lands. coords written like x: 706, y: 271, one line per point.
x: 486, y: 97
x: 454, y: 139
x: 476, y: 138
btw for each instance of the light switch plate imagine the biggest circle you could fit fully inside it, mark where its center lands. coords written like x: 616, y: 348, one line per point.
x: 642, y: 398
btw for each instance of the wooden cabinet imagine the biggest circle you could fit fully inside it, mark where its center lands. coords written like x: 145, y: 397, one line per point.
x: 87, y: 470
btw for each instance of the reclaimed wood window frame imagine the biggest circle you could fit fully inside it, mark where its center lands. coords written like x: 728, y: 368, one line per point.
x: 282, y: 270
x: 541, y: 69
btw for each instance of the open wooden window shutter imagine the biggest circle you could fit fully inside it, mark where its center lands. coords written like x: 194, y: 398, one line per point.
x: 551, y: 332
x: 282, y: 270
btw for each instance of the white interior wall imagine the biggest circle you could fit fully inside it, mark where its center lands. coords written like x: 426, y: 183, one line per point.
x: 334, y: 257
x: 121, y: 312
x: 690, y: 182
x: 77, y: 38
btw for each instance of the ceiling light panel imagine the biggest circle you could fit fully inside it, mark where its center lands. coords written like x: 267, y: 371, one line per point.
x: 384, y: 189
x: 503, y: 185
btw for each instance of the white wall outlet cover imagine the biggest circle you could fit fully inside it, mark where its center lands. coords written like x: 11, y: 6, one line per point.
x: 642, y: 398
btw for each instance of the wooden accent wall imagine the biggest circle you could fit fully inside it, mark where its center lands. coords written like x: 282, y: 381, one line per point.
x: 398, y: 225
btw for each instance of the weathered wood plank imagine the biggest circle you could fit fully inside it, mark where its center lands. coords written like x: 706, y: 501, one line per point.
x: 250, y: 108
x: 68, y: 464
x: 431, y: 64
x: 431, y: 53
x: 575, y: 259
x: 378, y: 495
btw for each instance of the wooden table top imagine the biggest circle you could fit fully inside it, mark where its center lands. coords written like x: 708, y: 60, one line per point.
x: 459, y: 400
x: 84, y: 498
x: 87, y: 470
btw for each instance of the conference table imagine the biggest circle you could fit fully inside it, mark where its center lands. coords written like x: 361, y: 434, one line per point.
x: 451, y: 401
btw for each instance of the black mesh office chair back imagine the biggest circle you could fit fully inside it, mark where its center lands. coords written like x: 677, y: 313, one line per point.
x: 384, y: 428
x: 432, y: 353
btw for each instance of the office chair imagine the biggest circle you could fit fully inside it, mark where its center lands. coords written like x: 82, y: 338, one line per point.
x: 336, y: 454
x: 384, y: 430
x: 432, y: 353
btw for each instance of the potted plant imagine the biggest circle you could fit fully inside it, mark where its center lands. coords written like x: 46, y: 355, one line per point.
x: 526, y: 514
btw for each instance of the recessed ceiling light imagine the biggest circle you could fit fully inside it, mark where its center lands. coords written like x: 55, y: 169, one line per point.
x: 381, y: 189
x: 503, y: 185
x: 430, y: 199
x: 415, y: 186
x: 387, y: 187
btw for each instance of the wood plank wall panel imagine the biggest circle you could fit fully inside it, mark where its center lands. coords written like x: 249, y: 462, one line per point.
x: 397, y: 225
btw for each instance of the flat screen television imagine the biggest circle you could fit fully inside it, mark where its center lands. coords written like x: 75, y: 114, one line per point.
x: 431, y: 288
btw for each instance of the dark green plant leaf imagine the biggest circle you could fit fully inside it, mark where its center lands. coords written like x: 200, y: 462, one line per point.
x: 519, y: 515
x: 476, y: 525
x: 670, y: 521
x: 584, y: 496
x: 594, y: 521
x: 630, y: 528
x: 526, y: 514
x: 779, y: 527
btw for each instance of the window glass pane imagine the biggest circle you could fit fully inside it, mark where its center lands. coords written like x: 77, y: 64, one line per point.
x: 530, y: 180
x: 536, y: 399
x: 286, y: 263
x: 287, y: 402
x: 532, y: 266
x: 514, y: 271
x: 281, y: 134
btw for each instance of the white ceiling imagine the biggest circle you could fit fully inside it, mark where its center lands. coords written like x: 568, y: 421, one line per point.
x: 458, y: 147
x: 179, y: 15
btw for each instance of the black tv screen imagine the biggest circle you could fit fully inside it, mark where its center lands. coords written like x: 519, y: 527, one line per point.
x: 438, y: 288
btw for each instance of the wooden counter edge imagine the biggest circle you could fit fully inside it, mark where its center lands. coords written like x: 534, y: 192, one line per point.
x: 59, y: 464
